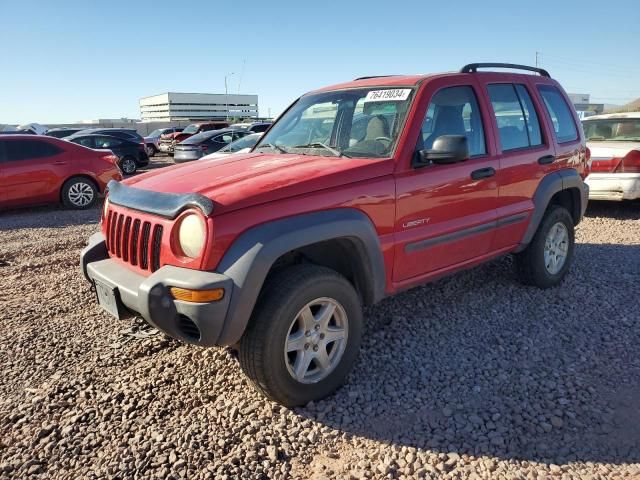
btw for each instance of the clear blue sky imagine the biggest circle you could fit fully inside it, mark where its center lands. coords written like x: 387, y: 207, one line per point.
x: 64, y: 61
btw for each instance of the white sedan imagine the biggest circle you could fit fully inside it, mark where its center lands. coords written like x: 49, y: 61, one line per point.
x: 614, y: 142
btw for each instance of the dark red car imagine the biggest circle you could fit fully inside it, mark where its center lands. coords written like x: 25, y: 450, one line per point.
x: 37, y: 169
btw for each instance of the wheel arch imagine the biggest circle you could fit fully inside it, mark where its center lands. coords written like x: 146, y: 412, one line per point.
x: 317, y: 237
x: 565, y: 188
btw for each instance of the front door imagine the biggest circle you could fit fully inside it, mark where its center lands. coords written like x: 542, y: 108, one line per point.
x: 446, y: 213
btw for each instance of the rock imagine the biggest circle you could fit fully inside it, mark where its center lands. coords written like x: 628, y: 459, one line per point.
x: 556, y: 422
x: 272, y: 453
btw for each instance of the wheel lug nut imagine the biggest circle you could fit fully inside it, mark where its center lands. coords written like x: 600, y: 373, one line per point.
x: 317, y: 327
x: 306, y: 346
x: 315, y: 348
x: 307, y: 333
x: 321, y: 336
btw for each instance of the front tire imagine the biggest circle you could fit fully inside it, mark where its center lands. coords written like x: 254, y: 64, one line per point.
x: 79, y: 193
x: 304, y: 335
x: 547, y: 259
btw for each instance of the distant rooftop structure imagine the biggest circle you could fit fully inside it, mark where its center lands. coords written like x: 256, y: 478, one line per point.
x: 175, y: 106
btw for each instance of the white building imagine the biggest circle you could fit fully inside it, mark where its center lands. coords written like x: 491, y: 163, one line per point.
x: 173, y: 106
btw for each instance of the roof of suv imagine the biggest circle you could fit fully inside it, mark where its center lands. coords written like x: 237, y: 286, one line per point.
x: 411, y: 80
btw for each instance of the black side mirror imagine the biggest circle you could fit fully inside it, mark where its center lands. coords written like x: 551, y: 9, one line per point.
x: 446, y: 149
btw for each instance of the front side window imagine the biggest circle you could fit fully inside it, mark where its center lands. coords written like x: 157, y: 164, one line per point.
x: 29, y: 150
x: 516, y: 118
x: 559, y: 112
x: 363, y: 122
x: 454, y: 111
x: 616, y: 130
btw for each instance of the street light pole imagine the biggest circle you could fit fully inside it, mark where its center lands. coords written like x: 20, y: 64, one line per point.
x: 226, y: 94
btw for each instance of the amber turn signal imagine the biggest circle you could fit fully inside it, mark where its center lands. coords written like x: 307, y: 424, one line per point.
x: 199, y: 296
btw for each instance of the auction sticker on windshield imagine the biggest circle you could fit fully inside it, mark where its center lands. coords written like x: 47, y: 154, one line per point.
x: 393, y: 95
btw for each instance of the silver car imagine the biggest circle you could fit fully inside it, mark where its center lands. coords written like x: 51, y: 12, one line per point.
x: 197, y: 146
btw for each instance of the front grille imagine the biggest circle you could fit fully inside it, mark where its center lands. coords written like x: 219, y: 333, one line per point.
x: 134, y: 241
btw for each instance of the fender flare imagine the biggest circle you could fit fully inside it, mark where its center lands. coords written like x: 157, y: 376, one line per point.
x: 548, y: 187
x: 251, y: 256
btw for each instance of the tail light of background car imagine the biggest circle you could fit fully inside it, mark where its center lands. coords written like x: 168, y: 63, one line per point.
x: 204, y: 148
x: 630, y: 162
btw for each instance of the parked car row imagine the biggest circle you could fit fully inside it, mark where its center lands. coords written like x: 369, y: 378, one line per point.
x: 169, y: 141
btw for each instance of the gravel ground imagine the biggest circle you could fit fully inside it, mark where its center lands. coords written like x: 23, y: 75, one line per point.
x: 473, y: 376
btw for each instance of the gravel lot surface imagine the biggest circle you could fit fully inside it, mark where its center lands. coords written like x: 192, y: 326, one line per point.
x: 474, y: 376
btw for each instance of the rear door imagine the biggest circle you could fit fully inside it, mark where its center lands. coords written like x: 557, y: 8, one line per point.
x: 526, y: 152
x: 33, y: 170
x: 445, y: 214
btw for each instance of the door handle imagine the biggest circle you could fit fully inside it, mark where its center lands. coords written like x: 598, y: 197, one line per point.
x: 60, y: 162
x: 546, y: 160
x: 483, y: 173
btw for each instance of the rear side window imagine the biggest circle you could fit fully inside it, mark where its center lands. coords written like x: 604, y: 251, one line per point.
x: 516, y: 118
x: 560, y: 114
x: 29, y: 150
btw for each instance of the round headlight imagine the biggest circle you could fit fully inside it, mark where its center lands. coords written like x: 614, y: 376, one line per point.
x: 191, y: 235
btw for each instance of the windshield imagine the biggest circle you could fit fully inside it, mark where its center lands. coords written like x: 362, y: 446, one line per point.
x: 156, y: 133
x: 245, y: 142
x: 617, y: 130
x: 193, y: 128
x: 352, y: 123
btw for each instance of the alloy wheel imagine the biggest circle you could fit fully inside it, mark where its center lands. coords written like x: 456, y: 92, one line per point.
x: 81, y: 194
x: 316, y: 340
x: 556, y: 248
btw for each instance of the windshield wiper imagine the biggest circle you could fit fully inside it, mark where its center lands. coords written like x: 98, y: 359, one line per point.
x: 335, y: 152
x: 271, y: 145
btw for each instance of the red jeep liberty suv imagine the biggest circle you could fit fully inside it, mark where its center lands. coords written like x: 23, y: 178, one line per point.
x: 357, y: 192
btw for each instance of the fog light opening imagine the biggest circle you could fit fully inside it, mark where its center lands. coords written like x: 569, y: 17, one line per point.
x: 188, y: 328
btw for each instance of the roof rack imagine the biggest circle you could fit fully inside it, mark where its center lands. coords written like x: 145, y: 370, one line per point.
x: 374, y: 76
x: 473, y: 67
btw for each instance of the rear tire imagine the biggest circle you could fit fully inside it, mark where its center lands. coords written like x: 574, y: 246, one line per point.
x: 547, y: 259
x: 306, y: 315
x: 151, y: 149
x: 128, y: 165
x: 79, y: 193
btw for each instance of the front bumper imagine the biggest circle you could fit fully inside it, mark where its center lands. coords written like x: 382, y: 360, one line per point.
x: 165, y: 147
x: 150, y: 296
x: 613, y: 186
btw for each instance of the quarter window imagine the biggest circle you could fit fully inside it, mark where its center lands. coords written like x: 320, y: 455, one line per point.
x: 516, y: 118
x: 454, y: 111
x: 561, y: 117
x: 29, y: 150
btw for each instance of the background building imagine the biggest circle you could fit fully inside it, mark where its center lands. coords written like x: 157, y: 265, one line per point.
x: 582, y: 103
x: 173, y: 106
